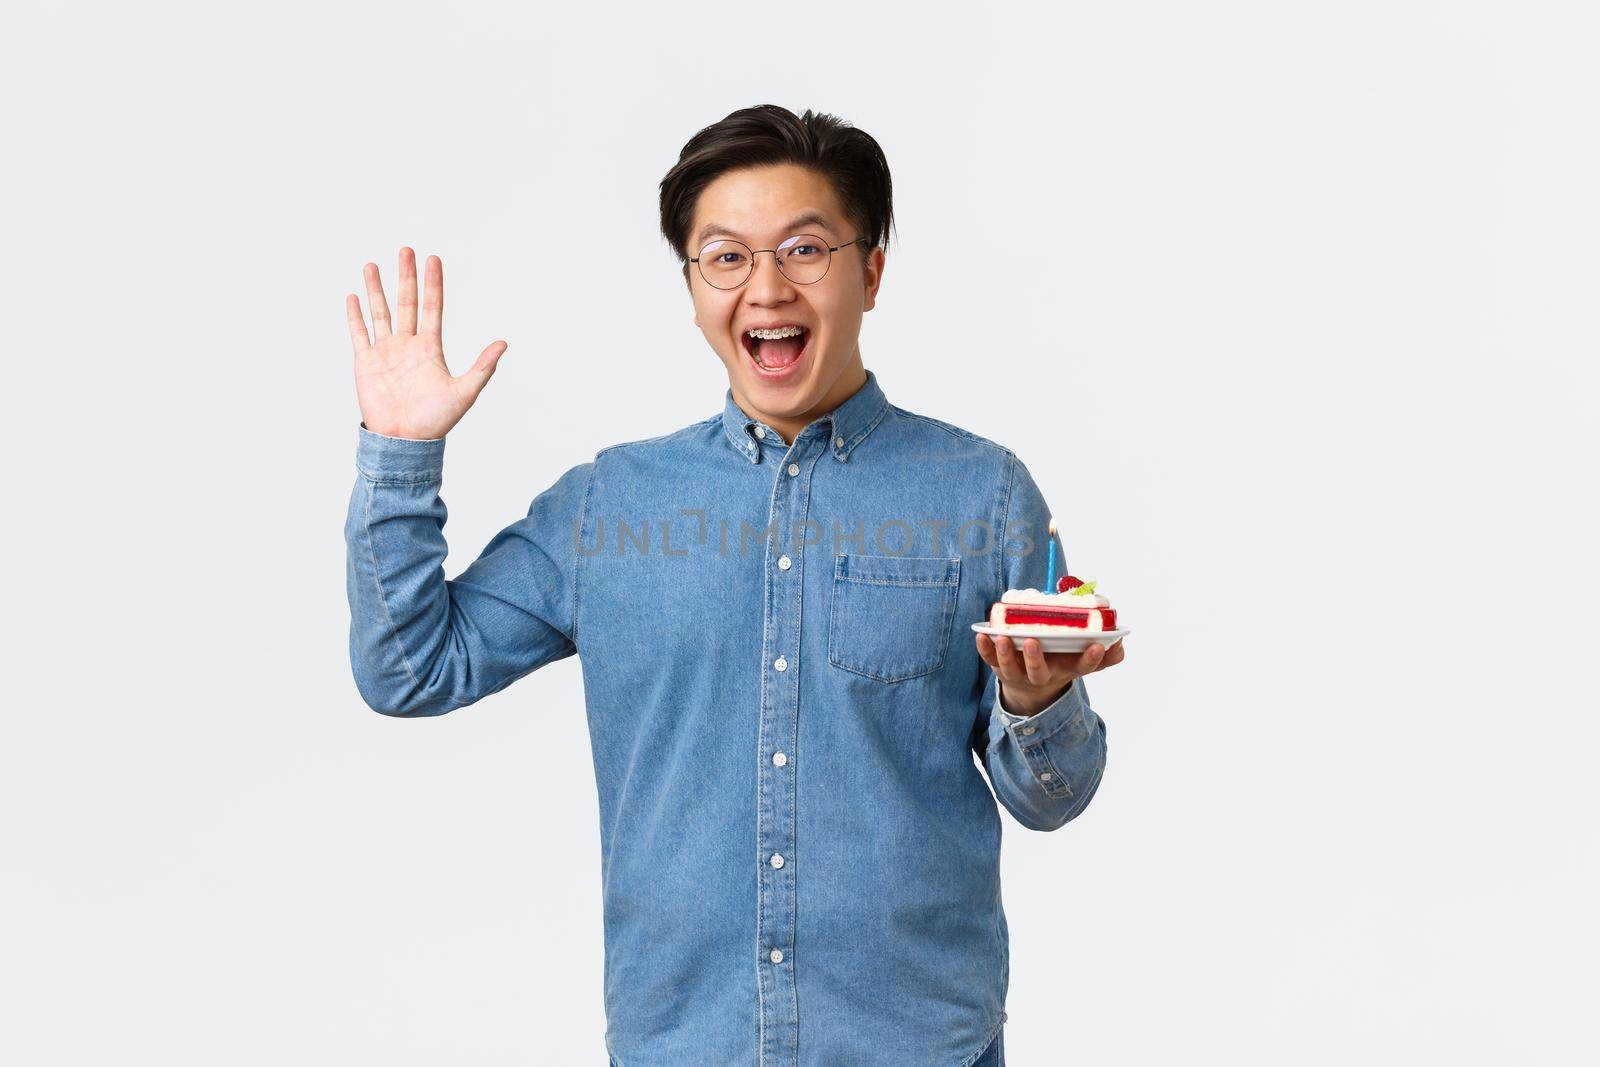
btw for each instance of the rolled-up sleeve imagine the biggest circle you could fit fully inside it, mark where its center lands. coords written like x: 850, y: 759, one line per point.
x: 423, y: 645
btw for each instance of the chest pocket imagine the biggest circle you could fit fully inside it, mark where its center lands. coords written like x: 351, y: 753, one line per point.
x: 890, y: 617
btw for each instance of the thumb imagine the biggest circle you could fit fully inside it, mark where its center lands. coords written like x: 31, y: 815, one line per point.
x: 478, y: 375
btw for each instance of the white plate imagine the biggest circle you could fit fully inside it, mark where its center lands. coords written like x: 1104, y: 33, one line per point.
x: 1057, y: 643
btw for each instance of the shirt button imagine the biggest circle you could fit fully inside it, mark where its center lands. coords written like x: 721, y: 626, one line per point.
x: 776, y: 956
x: 777, y: 860
x: 1046, y: 776
x: 780, y: 664
x: 838, y: 442
x: 783, y: 563
x: 760, y: 432
x: 1030, y: 729
x: 779, y: 759
x: 794, y: 468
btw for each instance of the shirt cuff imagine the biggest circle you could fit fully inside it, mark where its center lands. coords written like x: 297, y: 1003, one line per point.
x: 1065, y: 712
x: 399, y: 459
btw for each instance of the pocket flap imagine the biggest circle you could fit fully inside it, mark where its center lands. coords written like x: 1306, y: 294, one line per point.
x: 898, y: 570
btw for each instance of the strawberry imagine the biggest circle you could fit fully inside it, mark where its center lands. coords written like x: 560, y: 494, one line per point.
x: 1066, y: 582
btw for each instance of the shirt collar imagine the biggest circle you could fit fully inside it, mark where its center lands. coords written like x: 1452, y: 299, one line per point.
x: 846, y: 425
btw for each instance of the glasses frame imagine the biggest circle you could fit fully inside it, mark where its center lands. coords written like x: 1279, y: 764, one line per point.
x: 754, y: 252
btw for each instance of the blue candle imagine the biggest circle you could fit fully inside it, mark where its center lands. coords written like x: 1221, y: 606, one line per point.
x: 1050, y: 575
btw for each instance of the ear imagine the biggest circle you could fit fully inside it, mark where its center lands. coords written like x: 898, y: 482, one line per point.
x: 872, y: 277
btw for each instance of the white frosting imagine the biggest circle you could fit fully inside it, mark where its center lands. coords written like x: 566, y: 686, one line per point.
x: 1060, y: 600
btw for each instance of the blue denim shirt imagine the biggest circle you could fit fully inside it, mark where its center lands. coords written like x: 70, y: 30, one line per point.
x: 800, y: 858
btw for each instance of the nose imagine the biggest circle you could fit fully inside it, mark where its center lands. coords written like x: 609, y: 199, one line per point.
x: 767, y: 285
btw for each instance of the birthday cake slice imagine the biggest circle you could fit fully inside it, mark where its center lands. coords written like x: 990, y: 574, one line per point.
x: 1074, y: 608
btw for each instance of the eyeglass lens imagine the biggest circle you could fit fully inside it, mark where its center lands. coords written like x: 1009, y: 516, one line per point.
x: 802, y: 258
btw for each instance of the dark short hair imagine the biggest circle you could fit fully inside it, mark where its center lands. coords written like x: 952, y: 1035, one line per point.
x: 766, y: 134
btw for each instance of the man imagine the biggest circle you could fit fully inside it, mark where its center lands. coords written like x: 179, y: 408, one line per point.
x: 799, y: 855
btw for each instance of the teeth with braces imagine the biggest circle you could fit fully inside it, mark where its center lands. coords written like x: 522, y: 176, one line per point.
x: 773, y: 335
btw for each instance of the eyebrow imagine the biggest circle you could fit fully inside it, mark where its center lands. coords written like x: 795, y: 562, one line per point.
x: 807, y: 218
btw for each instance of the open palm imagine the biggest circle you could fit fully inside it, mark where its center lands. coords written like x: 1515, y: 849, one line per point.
x: 403, y: 384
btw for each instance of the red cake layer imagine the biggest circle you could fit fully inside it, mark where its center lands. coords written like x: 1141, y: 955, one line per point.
x: 1050, y: 609
x: 1052, y: 616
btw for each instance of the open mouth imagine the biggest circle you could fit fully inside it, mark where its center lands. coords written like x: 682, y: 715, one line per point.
x: 776, y: 355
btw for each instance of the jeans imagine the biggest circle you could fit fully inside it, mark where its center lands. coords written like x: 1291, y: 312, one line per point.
x: 993, y: 1056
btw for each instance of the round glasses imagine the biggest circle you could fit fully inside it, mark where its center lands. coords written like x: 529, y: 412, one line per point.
x: 803, y: 259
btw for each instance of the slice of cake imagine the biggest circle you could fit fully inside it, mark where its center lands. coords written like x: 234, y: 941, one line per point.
x: 1074, y: 608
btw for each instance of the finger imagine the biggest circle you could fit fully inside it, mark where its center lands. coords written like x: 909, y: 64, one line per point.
x: 358, y: 324
x: 1033, y: 662
x: 405, y: 320
x: 432, y: 299
x: 377, y: 305
x: 1007, y: 667
x: 1114, y: 656
x: 1092, y: 657
x: 478, y: 375
x: 986, y: 649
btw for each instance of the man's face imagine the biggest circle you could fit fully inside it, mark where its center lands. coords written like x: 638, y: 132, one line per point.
x: 758, y: 206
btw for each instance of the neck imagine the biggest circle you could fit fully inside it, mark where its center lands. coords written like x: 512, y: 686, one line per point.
x: 853, y: 378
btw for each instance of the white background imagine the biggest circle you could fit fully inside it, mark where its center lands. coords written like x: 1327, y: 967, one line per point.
x: 1290, y: 308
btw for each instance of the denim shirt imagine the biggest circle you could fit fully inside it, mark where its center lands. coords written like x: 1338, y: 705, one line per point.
x: 800, y: 856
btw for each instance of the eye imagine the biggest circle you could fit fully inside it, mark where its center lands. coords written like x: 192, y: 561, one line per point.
x: 797, y: 249
x: 724, y: 259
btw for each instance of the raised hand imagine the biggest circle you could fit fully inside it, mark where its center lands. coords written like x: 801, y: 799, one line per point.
x: 403, y: 384
x: 1033, y: 679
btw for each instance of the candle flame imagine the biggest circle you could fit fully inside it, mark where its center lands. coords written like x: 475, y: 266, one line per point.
x: 1052, y: 526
